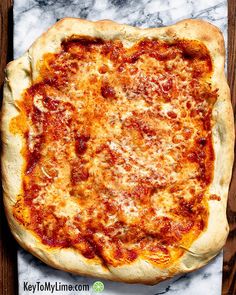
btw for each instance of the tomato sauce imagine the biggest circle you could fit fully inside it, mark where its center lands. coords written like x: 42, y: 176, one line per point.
x: 61, y: 136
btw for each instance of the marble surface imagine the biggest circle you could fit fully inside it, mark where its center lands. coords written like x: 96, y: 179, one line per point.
x: 32, y: 17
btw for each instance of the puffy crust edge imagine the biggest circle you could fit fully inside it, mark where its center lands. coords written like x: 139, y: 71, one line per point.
x: 25, y: 70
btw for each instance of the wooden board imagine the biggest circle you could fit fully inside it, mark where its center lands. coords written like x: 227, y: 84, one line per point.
x: 229, y: 270
x: 8, y: 258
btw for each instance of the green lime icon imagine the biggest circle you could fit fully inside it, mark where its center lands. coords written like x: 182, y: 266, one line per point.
x: 98, y: 287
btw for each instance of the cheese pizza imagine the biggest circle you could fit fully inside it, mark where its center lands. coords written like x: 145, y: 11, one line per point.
x: 118, y: 148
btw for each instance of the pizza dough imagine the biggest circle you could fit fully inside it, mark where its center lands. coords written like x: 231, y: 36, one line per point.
x: 90, y: 177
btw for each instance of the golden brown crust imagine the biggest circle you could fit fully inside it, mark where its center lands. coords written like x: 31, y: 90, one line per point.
x: 25, y: 70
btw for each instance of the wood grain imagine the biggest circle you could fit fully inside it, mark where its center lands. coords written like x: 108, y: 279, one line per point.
x: 229, y: 269
x: 8, y: 259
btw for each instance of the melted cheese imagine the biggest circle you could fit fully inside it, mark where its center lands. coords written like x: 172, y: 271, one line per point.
x: 118, y: 151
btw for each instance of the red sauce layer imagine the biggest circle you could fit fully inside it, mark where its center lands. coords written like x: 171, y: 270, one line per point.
x: 118, y: 149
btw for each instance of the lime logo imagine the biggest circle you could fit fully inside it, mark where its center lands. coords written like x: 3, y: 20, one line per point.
x: 98, y: 287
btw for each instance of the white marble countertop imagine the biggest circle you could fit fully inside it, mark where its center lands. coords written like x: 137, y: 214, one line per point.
x: 31, y: 18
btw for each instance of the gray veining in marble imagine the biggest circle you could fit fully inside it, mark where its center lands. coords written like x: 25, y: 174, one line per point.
x: 32, y: 17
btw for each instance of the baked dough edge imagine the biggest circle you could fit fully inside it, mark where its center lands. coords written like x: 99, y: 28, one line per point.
x: 21, y: 73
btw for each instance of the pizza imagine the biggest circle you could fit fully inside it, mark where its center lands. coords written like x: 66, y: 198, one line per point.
x: 118, y: 148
